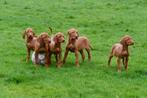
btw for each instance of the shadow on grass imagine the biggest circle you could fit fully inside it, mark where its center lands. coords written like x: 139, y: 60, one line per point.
x: 141, y: 72
x: 15, y: 80
x: 2, y: 75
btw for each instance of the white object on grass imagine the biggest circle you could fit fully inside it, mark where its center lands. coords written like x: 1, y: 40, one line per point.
x: 41, y: 58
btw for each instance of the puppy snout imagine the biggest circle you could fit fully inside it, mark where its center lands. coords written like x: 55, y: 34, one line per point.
x: 63, y: 40
x: 73, y: 38
x: 30, y: 36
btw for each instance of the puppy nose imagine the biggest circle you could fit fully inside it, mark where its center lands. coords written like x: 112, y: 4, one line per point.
x: 64, y: 40
x: 73, y: 38
x: 30, y: 36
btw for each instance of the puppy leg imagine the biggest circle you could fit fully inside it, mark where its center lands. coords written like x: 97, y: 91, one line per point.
x: 76, y: 54
x: 118, y: 64
x: 126, y: 63
x: 46, y: 59
x: 36, y: 58
x: 59, y: 59
x: 82, y: 54
x: 109, y: 61
x: 89, y: 54
x: 28, y: 54
x: 123, y: 60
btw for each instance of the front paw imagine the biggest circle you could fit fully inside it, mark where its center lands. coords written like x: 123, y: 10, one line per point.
x: 77, y: 64
x: 59, y: 64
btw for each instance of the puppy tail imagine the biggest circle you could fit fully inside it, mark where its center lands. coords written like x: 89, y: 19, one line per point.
x: 50, y: 29
x: 91, y: 47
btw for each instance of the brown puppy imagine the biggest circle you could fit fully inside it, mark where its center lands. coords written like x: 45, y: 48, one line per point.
x: 120, y: 50
x: 55, y: 47
x: 77, y: 44
x: 30, y: 40
x: 42, y: 45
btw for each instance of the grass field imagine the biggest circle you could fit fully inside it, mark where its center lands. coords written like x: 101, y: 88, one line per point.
x: 104, y: 22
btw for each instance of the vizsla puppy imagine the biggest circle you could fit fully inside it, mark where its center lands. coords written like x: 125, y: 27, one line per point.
x: 30, y: 40
x: 77, y: 44
x: 42, y: 45
x: 120, y: 50
x: 55, y: 47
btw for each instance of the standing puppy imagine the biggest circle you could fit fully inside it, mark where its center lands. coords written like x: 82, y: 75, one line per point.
x: 42, y: 45
x: 30, y: 40
x: 120, y: 50
x: 55, y: 47
x: 77, y: 44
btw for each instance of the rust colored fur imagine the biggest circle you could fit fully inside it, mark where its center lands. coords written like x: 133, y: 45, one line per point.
x: 120, y: 50
x: 77, y: 44
x: 42, y: 45
x: 55, y: 47
x: 30, y: 40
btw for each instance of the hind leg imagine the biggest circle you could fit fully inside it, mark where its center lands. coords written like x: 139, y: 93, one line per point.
x: 109, y: 61
x: 118, y: 64
x: 123, y: 61
x: 28, y: 54
x: 89, y: 54
x: 36, y: 59
x: 126, y: 63
x: 82, y: 54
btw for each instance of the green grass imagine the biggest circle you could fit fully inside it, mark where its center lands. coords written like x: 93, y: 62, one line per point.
x: 102, y: 21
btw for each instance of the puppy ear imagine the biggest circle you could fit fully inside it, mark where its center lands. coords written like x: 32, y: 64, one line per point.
x: 123, y: 40
x: 67, y: 32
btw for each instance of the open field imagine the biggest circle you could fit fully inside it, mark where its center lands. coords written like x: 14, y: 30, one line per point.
x: 104, y: 22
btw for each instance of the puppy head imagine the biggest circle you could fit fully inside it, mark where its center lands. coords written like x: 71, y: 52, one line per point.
x: 59, y: 38
x: 73, y: 34
x: 127, y: 40
x: 44, y: 37
x: 28, y: 33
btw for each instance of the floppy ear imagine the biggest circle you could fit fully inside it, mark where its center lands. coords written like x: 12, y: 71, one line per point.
x: 123, y: 40
x: 23, y: 35
x: 68, y: 32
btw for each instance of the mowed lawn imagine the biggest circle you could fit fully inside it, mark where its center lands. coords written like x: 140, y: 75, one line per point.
x: 104, y: 22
